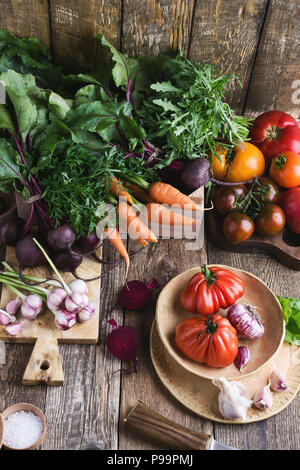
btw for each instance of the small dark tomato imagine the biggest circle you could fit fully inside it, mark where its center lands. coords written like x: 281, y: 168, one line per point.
x: 268, y: 191
x: 225, y: 198
x: 270, y: 220
x: 237, y: 227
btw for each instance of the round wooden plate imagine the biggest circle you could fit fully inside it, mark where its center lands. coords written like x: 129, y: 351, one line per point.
x: 201, y: 396
x: 169, y: 313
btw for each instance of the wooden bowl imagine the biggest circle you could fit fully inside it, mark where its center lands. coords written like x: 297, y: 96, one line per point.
x: 26, y: 407
x: 169, y: 313
x: 1, y: 431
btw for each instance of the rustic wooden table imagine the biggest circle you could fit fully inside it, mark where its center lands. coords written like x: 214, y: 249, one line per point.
x: 86, y: 411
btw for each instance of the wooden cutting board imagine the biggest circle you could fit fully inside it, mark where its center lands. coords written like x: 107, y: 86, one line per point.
x: 44, y: 366
x: 284, y: 247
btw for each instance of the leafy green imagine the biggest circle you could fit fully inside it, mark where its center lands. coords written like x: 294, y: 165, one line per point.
x: 28, y: 56
x: 186, y: 115
x: 75, y: 182
x: 291, y: 313
x: 27, y: 106
x: 141, y: 71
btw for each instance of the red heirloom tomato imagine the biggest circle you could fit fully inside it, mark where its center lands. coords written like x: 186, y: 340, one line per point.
x: 211, y: 289
x: 213, y: 341
x: 290, y: 203
x: 275, y: 132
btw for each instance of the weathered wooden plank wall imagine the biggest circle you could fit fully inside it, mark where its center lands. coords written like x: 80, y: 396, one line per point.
x: 227, y: 34
x: 277, y: 65
x: 257, y: 40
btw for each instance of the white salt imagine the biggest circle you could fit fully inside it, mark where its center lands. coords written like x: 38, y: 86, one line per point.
x: 22, y: 429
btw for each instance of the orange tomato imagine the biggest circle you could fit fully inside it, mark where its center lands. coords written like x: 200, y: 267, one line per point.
x: 285, y: 169
x: 245, y: 162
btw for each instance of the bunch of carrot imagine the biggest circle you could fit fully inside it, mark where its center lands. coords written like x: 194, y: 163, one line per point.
x: 157, y: 197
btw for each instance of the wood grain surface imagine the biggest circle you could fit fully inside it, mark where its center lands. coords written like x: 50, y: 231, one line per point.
x: 226, y: 34
x: 152, y: 26
x: 28, y: 18
x: 74, y: 25
x: 275, y: 81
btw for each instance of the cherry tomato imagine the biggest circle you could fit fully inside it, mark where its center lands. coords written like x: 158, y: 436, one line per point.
x: 270, y: 220
x: 243, y: 164
x: 275, y: 132
x: 213, y: 341
x: 285, y: 169
x: 237, y: 227
x: 290, y: 203
x: 267, y: 191
x: 225, y: 198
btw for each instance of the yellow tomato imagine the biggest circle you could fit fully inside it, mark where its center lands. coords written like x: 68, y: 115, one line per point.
x: 245, y: 162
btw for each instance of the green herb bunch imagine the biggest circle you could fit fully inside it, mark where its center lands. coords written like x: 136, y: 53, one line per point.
x: 186, y: 115
x: 75, y: 182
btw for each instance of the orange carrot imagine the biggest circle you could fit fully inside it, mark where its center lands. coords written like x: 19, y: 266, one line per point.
x: 161, y: 214
x: 166, y: 194
x: 139, y: 193
x: 115, y: 239
x: 117, y: 189
x: 135, y: 226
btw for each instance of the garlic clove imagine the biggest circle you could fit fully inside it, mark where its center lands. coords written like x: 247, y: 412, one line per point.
x: 13, y: 306
x: 5, y: 317
x: 87, y: 312
x: 79, y: 286
x: 278, y: 382
x: 242, y: 357
x: 32, y: 306
x: 56, y: 299
x: 65, y: 320
x: 263, y: 399
x: 14, y: 328
x: 76, y: 301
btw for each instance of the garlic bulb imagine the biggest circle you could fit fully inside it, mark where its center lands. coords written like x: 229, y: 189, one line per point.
x: 245, y: 320
x: 233, y: 402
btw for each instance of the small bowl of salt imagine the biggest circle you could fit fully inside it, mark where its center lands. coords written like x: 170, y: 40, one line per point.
x: 24, y: 427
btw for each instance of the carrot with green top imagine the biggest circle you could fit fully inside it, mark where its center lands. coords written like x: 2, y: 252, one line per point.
x: 164, y: 193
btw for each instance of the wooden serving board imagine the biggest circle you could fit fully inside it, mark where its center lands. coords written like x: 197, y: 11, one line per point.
x: 277, y: 246
x: 44, y: 366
